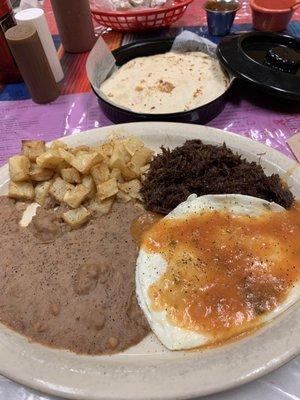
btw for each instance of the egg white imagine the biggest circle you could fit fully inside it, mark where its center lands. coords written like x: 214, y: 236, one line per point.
x: 150, y: 267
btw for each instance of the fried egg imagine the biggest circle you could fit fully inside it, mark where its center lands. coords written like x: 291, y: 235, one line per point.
x: 175, y: 275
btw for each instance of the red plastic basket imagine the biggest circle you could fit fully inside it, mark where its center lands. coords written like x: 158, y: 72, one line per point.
x: 138, y: 20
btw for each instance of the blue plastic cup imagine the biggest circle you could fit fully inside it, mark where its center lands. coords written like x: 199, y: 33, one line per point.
x: 220, y: 16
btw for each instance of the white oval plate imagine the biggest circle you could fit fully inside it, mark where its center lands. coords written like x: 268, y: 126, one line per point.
x: 148, y: 371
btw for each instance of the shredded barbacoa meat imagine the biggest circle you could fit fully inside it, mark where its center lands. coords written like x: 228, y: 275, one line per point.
x: 207, y: 169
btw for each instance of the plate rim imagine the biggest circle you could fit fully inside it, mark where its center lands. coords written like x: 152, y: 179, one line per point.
x: 65, y: 392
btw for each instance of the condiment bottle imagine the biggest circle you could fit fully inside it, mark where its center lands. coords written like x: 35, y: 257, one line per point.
x: 36, y: 17
x: 75, y: 26
x: 30, y: 57
x: 8, y: 69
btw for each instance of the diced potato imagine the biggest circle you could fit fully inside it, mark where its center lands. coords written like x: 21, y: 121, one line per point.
x: 84, y: 162
x: 33, y: 148
x: 42, y: 191
x: 19, y: 168
x: 62, y: 165
x: 76, y: 196
x: 132, y: 144
x: 123, y: 197
x: 100, y: 173
x: 79, y: 152
x: 66, y: 155
x: 59, y: 188
x: 107, y: 189
x: 50, y: 159
x: 105, y: 149
x: 120, y: 156
x: 132, y: 188
x: 39, y: 174
x: 77, y: 217
x: 102, y: 207
x: 89, y: 183
x: 70, y: 175
x: 58, y: 144
x: 142, y: 157
x: 21, y: 190
x: 143, y: 171
x: 129, y: 173
x: 79, y: 149
x: 116, y: 173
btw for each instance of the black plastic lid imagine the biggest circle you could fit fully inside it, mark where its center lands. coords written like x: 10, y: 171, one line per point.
x: 267, y: 60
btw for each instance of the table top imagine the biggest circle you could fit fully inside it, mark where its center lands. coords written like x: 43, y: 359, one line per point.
x: 256, y: 116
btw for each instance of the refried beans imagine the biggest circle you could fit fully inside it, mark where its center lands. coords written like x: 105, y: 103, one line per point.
x: 70, y: 289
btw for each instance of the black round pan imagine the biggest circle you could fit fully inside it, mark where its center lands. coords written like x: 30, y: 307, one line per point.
x: 150, y: 47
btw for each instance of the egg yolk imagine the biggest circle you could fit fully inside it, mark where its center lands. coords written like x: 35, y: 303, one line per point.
x: 224, y: 272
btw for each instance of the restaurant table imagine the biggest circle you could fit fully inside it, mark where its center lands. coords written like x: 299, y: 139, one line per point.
x: 247, y: 112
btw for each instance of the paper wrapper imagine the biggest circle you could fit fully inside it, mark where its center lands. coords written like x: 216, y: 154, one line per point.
x: 188, y: 41
x: 127, y: 5
x: 101, y: 63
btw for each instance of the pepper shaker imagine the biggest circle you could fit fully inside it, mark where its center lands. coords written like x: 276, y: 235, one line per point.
x: 30, y: 57
x: 75, y: 25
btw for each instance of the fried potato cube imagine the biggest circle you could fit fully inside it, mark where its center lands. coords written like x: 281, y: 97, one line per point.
x: 58, y: 144
x: 129, y: 173
x: 77, y: 217
x: 39, y: 174
x: 79, y: 149
x: 33, y: 148
x: 89, y: 183
x: 59, y: 188
x: 132, y: 144
x: 63, y: 164
x: 103, y: 207
x: 83, y: 162
x: 21, y: 190
x: 123, y: 197
x: 76, y: 196
x: 66, y: 155
x: 50, y: 159
x: 120, y: 156
x: 107, y: 189
x: 116, y: 173
x: 42, y: 191
x: 70, y: 175
x: 105, y: 149
x: 143, y: 171
x: 142, y: 157
x: 132, y: 188
x: 100, y: 173
x: 19, y: 168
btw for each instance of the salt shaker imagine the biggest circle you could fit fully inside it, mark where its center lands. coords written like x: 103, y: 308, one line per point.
x: 30, y: 57
x: 75, y: 25
x: 36, y: 17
